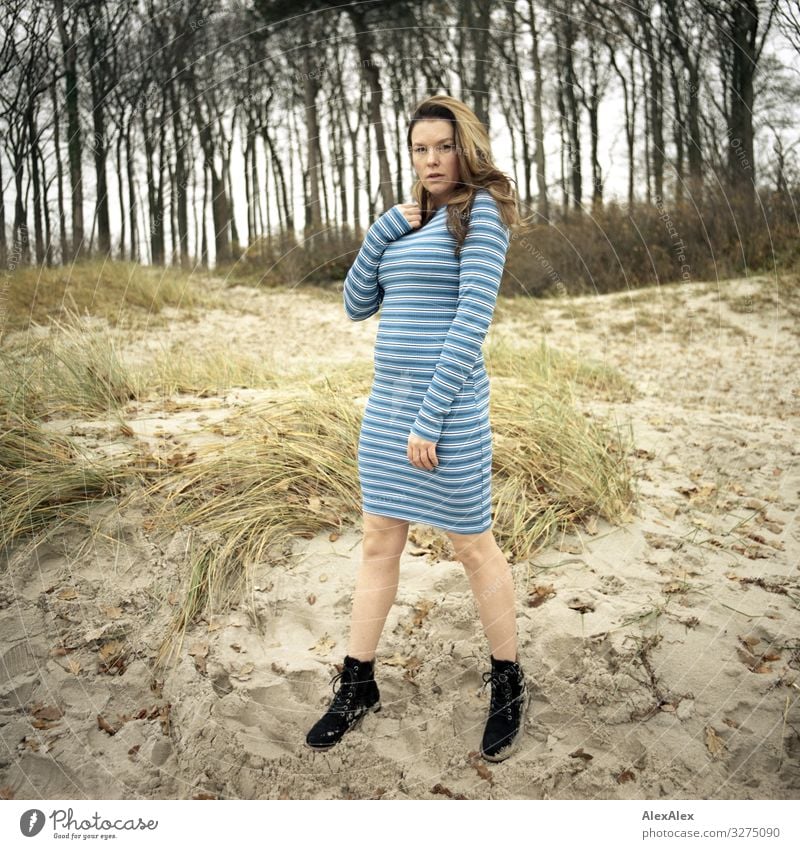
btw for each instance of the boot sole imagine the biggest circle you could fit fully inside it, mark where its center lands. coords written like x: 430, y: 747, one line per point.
x: 514, y: 744
x: 374, y: 709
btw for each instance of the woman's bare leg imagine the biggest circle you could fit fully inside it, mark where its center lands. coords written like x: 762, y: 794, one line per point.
x: 493, y: 586
x: 376, y: 582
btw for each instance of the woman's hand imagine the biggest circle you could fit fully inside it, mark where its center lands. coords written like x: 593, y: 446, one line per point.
x: 422, y: 452
x: 412, y: 213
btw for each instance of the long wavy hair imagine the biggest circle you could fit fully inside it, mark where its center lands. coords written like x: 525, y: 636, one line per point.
x: 476, y: 167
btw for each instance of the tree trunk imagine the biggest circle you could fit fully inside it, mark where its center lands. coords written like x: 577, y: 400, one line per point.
x: 74, y: 144
x: 371, y: 74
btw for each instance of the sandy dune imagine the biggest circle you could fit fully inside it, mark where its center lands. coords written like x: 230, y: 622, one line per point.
x: 681, y: 680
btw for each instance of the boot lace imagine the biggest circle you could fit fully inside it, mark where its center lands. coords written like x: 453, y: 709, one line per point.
x: 501, y: 693
x: 343, y: 697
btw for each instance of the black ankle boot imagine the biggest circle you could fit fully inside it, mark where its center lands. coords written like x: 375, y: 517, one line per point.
x: 509, y: 704
x: 357, y: 695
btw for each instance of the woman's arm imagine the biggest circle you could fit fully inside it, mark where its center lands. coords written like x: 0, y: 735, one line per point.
x: 362, y: 294
x: 482, y: 259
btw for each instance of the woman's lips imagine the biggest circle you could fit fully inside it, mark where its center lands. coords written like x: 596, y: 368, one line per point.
x: 435, y: 176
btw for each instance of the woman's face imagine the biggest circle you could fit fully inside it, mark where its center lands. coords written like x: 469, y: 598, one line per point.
x: 433, y: 154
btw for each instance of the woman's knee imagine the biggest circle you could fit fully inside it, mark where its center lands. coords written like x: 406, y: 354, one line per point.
x: 473, y: 550
x: 384, y: 537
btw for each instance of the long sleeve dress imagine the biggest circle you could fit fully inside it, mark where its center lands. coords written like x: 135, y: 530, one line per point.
x: 429, y: 375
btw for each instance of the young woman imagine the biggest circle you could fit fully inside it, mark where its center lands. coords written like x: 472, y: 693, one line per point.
x: 433, y: 266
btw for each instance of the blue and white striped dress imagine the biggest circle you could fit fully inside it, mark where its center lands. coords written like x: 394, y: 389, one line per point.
x: 429, y: 376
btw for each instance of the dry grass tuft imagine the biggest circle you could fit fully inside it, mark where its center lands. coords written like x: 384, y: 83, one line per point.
x: 119, y: 292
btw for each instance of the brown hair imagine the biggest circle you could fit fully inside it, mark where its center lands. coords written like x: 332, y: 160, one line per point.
x: 476, y: 167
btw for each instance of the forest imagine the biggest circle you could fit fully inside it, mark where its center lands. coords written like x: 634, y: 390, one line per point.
x: 266, y: 135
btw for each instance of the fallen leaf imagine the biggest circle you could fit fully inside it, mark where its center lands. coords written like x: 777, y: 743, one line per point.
x: 323, y: 645
x: 199, y: 649
x: 714, y: 744
x: 111, y: 650
x: 476, y: 762
x: 581, y: 606
x: 68, y: 594
x: 441, y: 790
x: 50, y: 713
x: 103, y: 725
x: 539, y: 594
x: 625, y: 775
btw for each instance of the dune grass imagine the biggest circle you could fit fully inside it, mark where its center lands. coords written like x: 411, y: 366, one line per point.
x: 71, y: 371
x: 45, y: 481
x: 119, y: 292
x: 287, y: 468
x: 76, y: 370
x: 291, y: 471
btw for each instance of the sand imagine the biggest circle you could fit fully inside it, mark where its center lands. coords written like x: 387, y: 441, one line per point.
x: 680, y: 681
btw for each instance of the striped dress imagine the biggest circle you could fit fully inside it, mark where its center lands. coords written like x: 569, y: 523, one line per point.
x: 429, y: 375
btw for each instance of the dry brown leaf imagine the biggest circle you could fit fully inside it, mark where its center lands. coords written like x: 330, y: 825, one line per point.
x: 112, y: 649
x: 68, y: 594
x: 199, y: 649
x: 111, y: 612
x: 49, y: 713
x: 323, y: 645
x: 580, y: 605
x: 73, y: 666
x: 476, y: 762
x: 103, y: 725
x: 539, y: 594
x: 714, y: 744
x: 625, y: 775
